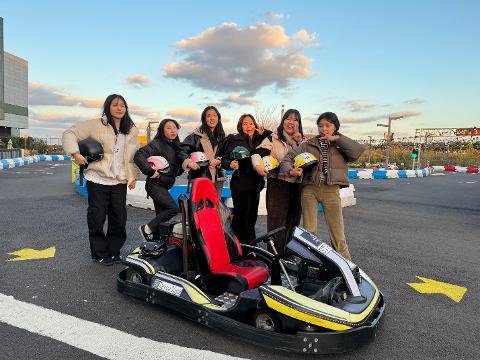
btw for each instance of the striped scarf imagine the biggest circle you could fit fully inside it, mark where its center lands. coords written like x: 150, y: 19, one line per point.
x: 324, y: 152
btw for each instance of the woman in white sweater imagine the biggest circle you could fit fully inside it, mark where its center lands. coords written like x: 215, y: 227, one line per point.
x: 108, y: 178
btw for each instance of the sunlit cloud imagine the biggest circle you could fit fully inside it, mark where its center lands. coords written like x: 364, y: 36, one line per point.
x: 372, y: 118
x: 231, y: 58
x: 185, y: 116
x: 47, y: 95
x: 138, y: 80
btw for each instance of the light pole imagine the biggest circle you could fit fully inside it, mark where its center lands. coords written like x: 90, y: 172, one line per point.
x: 389, y: 135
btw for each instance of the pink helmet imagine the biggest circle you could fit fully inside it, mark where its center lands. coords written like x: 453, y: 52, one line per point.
x: 158, y: 163
x: 200, y: 158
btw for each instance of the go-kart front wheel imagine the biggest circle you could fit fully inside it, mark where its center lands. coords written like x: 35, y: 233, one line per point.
x: 266, y: 320
x: 134, y: 276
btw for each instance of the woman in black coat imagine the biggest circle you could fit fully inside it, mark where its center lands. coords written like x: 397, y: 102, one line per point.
x: 246, y: 184
x: 208, y: 138
x: 167, y: 144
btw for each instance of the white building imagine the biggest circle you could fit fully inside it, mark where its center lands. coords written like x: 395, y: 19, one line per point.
x: 13, y: 92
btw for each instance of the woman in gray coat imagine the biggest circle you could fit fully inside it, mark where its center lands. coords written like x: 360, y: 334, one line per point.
x: 321, y: 183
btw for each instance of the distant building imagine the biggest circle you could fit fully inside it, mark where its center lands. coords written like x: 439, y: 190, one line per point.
x: 13, y: 92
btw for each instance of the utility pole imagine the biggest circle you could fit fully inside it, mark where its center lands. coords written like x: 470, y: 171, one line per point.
x: 389, y: 136
x: 369, y: 148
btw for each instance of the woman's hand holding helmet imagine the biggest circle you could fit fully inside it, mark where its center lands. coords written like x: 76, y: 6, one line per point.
x: 79, y: 159
x: 214, y: 163
x: 193, y: 166
x: 296, y: 172
x: 234, y: 165
x: 260, y: 169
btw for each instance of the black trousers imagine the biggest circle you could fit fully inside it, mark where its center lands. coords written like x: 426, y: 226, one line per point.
x: 103, y: 201
x: 165, y: 207
x: 245, y: 210
x: 284, y: 208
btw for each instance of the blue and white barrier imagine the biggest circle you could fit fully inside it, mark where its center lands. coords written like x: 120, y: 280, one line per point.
x: 388, y: 174
x: 27, y: 160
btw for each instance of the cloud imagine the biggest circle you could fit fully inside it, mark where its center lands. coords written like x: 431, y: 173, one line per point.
x: 238, y: 99
x: 362, y: 105
x: 138, y: 80
x: 47, y: 95
x: 44, y: 95
x: 230, y: 58
x: 415, y: 101
x: 368, y: 119
x: 272, y: 16
x: 185, y: 116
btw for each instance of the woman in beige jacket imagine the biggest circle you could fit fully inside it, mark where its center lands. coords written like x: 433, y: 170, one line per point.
x: 107, y: 179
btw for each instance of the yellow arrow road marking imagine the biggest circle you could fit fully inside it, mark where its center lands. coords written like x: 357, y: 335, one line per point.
x: 429, y: 286
x: 32, y: 254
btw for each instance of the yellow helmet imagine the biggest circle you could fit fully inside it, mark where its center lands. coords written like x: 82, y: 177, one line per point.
x: 270, y: 163
x: 305, y: 160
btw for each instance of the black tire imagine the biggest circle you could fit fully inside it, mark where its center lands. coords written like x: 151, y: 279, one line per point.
x: 135, y: 276
x: 266, y: 320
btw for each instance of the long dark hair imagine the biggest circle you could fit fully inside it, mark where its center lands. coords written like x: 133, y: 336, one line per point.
x: 161, y: 135
x: 240, y: 122
x: 284, y: 117
x: 216, y: 137
x: 126, y: 123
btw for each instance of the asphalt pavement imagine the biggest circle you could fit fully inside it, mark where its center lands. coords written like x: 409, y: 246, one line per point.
x: 399, y: 229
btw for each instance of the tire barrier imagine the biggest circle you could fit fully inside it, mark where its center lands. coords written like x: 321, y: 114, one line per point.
x: 460, y: 169
x: 27, y: 160
x: 388, y: 174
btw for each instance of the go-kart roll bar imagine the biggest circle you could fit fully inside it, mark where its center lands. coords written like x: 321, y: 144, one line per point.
x: 269, y: 235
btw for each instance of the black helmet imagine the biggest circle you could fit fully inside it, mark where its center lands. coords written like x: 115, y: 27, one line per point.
x: 91, y: 150
x: 152, y: 248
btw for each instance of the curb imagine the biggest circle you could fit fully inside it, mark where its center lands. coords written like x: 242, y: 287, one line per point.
x: 388, y: 174
x: 460, y: 169
x: 27, y: 160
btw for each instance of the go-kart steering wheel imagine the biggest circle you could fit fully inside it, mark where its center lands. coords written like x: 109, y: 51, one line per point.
x: 267, y: 235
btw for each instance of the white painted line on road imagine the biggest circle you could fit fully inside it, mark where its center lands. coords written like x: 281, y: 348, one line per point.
x: 95, y: 338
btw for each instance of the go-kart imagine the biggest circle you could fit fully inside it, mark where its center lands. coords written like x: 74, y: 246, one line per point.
x: 313, y: 301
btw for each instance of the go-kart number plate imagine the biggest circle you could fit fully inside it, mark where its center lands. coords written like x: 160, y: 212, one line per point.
x: 324, y: 248
x: 167, y: 287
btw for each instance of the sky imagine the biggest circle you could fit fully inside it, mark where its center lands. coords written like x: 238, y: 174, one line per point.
x: 363, y: 60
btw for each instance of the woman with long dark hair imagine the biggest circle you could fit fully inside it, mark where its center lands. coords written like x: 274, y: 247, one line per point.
x: 107, y: 179
x: 246, y: 184
x: 208, y: 138
x: 167, y: 145
x: 321, y: 183
x: 283, y: 191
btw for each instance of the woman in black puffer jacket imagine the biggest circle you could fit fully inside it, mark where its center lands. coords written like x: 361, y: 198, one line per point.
x: 167, y: 144
x: 246, y: 184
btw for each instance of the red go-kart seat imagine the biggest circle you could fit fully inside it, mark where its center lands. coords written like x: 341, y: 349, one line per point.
x: 218, y: 251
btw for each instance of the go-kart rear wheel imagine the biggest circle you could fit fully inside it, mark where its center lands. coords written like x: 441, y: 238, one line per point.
x: 266, y: 320
x: 134, y: 276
